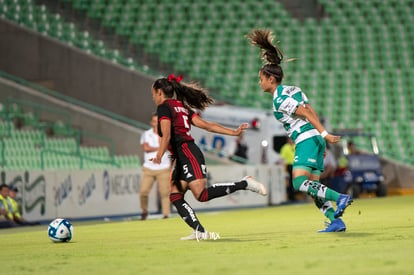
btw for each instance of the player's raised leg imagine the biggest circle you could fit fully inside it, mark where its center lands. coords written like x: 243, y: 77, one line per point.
x: 223, y: 189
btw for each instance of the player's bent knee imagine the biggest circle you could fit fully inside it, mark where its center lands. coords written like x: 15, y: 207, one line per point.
x: 297, y: 182
x: 203, y: 196
x: 176, y: 197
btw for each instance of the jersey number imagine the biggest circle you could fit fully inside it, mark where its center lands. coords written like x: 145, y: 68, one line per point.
x: 186, y: 123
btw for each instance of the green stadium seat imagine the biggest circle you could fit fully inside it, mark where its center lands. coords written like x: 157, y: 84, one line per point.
x: 96, y: 9
x: 14, y: 111
x: 81, y: 5
x: 14, y: 12
x: 30, y: 119
x: 70, y: 33
x: 111, y: 16
x: 84, y: 41
x: 57, y: 31
x: 115, y: 56
x: 100, y: 49
x: 125, y: 26
x: 61, y: 129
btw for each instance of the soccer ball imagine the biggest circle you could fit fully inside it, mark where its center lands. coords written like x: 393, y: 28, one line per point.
x: 60, y: 230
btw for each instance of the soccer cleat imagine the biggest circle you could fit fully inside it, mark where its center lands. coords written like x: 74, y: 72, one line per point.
x: 343, y: 202
x: 335, y: 226
x: 192, y: 236
x: 197, y: 235
x: 255, y: 186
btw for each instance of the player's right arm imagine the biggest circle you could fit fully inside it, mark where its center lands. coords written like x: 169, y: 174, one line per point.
x: 165, y: 139
x: 218, y: 128
x: 164, y: 131
x: 307, y: 112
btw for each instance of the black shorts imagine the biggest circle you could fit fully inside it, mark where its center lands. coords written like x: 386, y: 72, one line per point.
x: 189, y: 163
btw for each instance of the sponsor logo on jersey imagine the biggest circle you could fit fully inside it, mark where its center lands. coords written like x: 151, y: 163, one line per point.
x: 290, y: 90
x: 180, y: 110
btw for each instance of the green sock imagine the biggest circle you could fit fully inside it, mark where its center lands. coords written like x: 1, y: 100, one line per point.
x: 330, y: 214
x: 326, y: 208
x: 331, y: 195
x: 314, y: 188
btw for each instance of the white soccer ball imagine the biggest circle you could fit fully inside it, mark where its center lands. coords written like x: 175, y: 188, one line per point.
x: 60, y: 230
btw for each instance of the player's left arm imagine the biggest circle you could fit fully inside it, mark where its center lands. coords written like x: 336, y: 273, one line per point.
x: 218, y: 128
x: 306, y: 111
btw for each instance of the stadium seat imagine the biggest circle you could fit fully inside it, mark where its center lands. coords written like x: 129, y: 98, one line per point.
x: 81, y: 5
x: 96, y: 9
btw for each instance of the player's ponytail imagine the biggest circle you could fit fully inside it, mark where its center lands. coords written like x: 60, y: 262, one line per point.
x: 190, y: 94
x: 264, y: 40
x: 269, y: 52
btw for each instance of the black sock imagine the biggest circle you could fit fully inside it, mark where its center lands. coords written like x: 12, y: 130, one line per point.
x: 221, y: 189
x: 185, y: 211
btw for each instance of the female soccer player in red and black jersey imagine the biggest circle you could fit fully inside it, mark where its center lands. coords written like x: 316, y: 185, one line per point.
x: 175, y: 102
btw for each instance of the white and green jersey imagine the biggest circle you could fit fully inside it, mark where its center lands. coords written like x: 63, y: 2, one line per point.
x: 286, y: 100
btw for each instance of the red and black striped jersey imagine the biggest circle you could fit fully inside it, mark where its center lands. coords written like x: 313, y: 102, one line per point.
x: 180, y: 118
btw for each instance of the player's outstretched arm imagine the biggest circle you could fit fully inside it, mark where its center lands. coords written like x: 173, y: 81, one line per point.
x: 218, y: 128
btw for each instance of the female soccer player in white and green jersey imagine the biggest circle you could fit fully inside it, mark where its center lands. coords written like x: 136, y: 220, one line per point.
x: 291, y: 108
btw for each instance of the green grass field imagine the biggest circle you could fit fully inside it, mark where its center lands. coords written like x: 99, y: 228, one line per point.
x: 274, y: 240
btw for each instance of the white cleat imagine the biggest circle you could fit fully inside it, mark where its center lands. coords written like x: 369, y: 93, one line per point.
x: 255, y: 186
x: 197, y: 235
x: 190, y: 237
